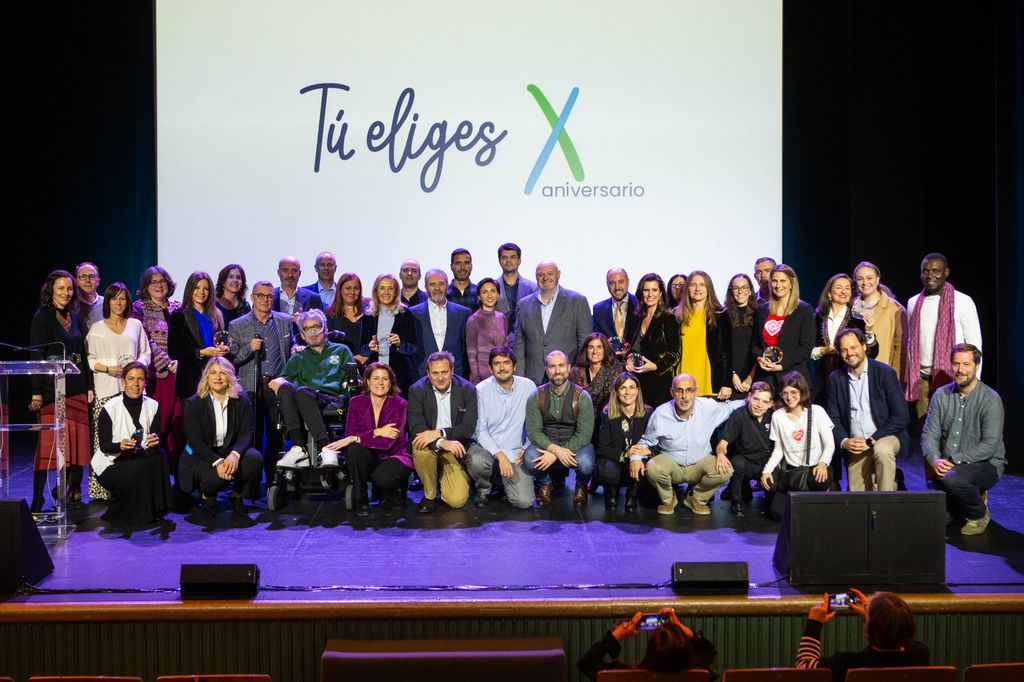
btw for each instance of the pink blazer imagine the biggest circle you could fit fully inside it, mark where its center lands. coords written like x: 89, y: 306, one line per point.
x: 359, y: 422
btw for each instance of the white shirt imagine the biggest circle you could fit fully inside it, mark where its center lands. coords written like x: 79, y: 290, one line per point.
x: 965, y: 322
x: 832, y: 327
x: 790, y: 439
x: 438, y: 321
x: 220, y: 418
x: 288, y: 303
x: 115, y: 350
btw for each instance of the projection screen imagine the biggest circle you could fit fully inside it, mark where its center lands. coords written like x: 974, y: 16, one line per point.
x: 594, y: 133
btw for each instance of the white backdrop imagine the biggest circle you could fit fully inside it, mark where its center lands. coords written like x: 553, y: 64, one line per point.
x: 680, y: 104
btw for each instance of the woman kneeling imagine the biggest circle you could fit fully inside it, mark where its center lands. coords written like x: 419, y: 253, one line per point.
x: 130, y: 462
x: 218, y: 429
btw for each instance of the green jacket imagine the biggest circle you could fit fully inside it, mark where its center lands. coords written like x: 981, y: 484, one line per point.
x: 323, y: 371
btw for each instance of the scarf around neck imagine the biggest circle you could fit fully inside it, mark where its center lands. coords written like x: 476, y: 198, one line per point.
x: 945, y: 337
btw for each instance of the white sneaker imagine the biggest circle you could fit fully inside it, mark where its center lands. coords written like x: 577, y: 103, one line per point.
x: 328, y: 458
x: 294, y: 458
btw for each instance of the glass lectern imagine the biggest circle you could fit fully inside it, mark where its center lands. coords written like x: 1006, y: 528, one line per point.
x: 57, y: 520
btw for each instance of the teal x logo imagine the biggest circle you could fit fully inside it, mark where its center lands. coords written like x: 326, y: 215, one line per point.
x: 558, y: 134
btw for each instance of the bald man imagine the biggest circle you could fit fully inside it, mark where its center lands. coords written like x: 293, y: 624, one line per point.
x: 552, y: 319
x: 289, y: 298
x: 324, y: 286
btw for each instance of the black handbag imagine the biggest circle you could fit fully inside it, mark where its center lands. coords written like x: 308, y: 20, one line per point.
x: 796, y: 477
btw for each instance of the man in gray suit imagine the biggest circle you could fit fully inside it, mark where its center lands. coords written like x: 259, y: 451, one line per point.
x: 552, y: 319
x: 512, y: 287
x: 263, y: 335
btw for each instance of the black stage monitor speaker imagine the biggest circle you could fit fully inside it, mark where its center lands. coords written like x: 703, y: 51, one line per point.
x: 25, y: 559
x: 710, y: 577
x: 219, y: 581
x: 844, y: 539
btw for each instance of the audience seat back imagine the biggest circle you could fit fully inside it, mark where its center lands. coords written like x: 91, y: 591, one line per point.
x: 935, y: 673
x: 995, y: 672
x: 777, y: 675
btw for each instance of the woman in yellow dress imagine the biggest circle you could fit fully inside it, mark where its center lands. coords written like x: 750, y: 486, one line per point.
x: 706, y: 337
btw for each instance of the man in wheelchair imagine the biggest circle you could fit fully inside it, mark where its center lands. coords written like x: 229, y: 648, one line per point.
x: 314, y: 383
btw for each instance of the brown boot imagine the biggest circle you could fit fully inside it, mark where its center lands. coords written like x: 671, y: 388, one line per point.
x: 579, y: 499
x: 544, y: 494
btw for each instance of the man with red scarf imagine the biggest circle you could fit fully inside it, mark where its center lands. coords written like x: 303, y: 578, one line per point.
x: 940, y: 317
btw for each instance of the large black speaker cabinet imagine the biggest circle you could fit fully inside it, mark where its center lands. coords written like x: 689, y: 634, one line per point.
x: 843, y: 539
x: 219, y: 581
x: 710, y: 577
x: 25, y: 559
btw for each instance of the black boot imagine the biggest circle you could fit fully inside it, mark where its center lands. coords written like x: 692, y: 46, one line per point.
x: 74, y: 477
x: 631, y: 489
x: 611, y: 497
x: 38, y: 489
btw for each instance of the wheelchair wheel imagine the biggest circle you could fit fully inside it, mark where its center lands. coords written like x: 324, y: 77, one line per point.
x: 275, y: 498
x: 350, y: 496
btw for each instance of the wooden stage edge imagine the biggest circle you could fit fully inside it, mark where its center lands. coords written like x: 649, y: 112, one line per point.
x: 279, y: 610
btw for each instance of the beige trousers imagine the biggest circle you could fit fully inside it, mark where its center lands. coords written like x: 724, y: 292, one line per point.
x: 454, y: 479
x: 874, y: 469
x: 663, y: 473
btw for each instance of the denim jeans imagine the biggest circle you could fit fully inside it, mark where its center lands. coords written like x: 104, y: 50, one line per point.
x: 585, y: 457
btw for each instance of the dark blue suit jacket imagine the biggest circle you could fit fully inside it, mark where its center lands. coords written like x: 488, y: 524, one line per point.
x: 888, y: 406
x: 604, y: 320
x: 454, y: 337
x: 315, y: 288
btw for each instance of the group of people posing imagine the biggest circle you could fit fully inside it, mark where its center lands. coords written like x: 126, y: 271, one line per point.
x: 508, y: 383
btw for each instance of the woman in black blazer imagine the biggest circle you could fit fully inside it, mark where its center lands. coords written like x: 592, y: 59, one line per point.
x: 623, y: 422
x: 192, y: 333
x: 834, y: 312
x: 741, y: 309
x: 655, y: 343
x: 401, y: 340
x: 211, y: 467
x: 786, y: 322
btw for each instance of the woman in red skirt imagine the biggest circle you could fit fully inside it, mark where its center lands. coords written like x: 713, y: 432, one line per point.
x: 57, y: 334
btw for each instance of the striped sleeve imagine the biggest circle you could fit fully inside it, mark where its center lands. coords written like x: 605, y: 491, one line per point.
x: 808, y: 653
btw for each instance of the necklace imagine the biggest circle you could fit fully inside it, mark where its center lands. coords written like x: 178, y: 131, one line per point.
x: 65, y: 322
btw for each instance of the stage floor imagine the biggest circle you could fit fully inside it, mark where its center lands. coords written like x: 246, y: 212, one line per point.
x: 315, y: 550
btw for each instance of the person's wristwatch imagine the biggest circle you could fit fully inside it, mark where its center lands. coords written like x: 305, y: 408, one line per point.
x: 870, y: 441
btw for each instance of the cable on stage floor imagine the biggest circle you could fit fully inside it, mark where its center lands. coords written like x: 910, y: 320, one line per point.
x: 31, y: 590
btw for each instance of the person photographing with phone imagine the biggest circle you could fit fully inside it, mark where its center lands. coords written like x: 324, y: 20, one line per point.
x: 671, y: 648
x: 889, y: 628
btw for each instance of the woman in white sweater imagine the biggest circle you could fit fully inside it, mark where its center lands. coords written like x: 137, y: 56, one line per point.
x: 802, y: 434
x: 112, y: 343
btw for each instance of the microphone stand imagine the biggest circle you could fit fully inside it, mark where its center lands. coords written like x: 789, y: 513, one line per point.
x: 258, y: 388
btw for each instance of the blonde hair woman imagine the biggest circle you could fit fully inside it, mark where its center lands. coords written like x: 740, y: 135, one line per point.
x: 388, y: 332
x: 783, y: 329
x: 218, y: 429
x: 885, y: 320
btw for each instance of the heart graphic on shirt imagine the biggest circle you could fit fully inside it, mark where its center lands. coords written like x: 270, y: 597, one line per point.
x: 773, y: 327
x: 798, y: 435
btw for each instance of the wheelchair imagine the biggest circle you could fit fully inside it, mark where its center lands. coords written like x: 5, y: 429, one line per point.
x: 317, y: 478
